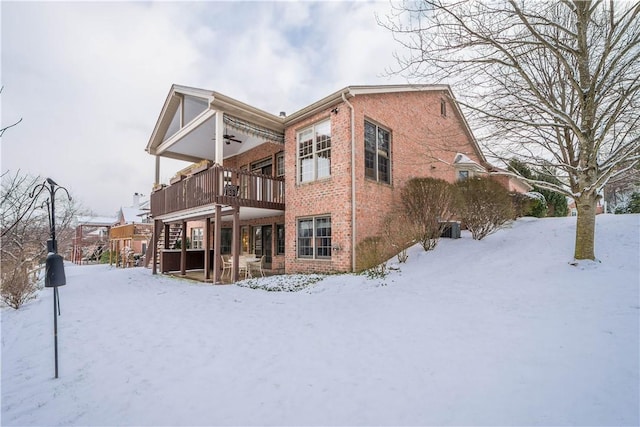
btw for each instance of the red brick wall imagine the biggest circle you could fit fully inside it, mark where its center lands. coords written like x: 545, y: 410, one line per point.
x: 261, y: 152
x: 423, y: 143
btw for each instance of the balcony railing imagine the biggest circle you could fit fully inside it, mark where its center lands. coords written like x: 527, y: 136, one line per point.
x: 220, y: 185
x: 129, y: 231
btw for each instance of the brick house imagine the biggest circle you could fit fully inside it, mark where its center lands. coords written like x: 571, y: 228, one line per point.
x: 302, y: 189
x: 129, y: 236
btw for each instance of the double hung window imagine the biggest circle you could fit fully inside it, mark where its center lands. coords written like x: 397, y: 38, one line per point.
x: 377, y: 153
x: 314, y: 237
x: 314, y: 152
x: 196, y: 238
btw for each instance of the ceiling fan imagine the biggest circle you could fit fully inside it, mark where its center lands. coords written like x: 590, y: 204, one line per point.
x: 229, y: 138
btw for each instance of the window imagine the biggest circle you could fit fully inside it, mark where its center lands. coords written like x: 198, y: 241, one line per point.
x: 314, y: 237
x: 244, y: 239
x: 314, y: 152
x: 462, y: 175
x: 196, y: 238
x: 279, y: 239
x: 377, y: 144
x: 225, y: 240
x: 443, y: 108
x: 280, y: 164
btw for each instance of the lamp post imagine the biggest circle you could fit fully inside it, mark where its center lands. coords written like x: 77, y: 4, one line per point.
x: 54, y: 271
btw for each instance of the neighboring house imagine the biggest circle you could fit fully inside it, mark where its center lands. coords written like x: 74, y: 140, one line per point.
x: 573, y: 210
x: 130, y: 235
x: 91, y: 238
x: 301, y: 189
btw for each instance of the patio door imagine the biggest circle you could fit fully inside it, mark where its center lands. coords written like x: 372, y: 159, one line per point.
x: 264, y: 189
x: 263, y: 241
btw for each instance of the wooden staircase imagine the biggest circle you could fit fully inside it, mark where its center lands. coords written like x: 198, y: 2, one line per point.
x: 175, y: 231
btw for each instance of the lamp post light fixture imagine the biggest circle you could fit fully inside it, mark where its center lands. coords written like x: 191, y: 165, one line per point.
x: 54, y: 267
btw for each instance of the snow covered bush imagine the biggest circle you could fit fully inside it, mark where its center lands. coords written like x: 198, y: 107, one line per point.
x: 483, y: 205
x: 282, y: 282
x: 428, y: 205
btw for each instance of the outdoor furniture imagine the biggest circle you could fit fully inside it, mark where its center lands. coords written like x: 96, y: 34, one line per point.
x: 256, y: 265
x: 244, y: 261
x: 226, y: 264
x: 231, y: 190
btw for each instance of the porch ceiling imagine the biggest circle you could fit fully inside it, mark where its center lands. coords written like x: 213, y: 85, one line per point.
x: 202, y: 111
x: 246, y: 213
x: 199, y: 143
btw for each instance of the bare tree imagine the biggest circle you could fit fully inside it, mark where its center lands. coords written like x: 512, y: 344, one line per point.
x: 545, y: 82
x: 3, y: 129
x: 24, y: 222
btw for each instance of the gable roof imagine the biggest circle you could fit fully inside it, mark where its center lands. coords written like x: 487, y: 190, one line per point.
x: 352, y: 91
x: 243, y: 111
x: 215, y: 101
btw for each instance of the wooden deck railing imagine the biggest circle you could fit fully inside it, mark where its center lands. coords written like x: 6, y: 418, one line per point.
x: 128, y: 231
x: 220, y: 185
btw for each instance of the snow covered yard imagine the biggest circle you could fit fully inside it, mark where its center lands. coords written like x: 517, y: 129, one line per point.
x: 498, y: 332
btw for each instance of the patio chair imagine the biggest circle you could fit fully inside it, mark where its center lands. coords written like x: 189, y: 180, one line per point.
x: 257, y: 266
x: 226, y: 265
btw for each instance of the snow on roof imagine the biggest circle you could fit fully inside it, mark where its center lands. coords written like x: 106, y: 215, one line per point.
x: 96, y: 220
x: 463, y: 158
x: 131, y: 214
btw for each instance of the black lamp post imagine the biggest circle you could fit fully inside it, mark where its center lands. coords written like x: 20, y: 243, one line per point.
x: 54, y: 271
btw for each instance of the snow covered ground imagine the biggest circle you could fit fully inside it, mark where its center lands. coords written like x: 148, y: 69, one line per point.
x: 498, y: 332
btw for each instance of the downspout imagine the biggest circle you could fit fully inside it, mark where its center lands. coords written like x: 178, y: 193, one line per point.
x: 353, y: 184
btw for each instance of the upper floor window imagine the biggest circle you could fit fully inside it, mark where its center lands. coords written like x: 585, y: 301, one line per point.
x: 280, y: 164
x: 462, y: 175
x: 377, y: 153
x: 314, y: 152
x: 443, y: 108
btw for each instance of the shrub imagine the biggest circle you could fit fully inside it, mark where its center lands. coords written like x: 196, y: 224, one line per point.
x: 372, y: 257
x: 483, y: 205
x: 428, y: 205
x: 537, y: 206
x: 19, y: 285
x: 634, y: 204
x: 398, y: 234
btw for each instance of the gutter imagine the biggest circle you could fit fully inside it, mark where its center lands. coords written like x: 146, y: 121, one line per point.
x: 353, y: 184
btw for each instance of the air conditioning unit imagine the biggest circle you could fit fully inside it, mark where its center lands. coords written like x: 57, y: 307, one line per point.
x: 451, y: 230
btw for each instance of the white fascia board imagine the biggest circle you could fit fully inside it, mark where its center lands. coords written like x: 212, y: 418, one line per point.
x: 351, y: 91
x: 370, y: 90
x: 168, y: 110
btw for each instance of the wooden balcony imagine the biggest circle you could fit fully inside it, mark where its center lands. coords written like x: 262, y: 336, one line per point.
x: 219, y: 185
x: 130, y: 231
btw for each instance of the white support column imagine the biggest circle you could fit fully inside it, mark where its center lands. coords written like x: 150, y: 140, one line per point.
x: 157, y: 180
x: 219, y: 137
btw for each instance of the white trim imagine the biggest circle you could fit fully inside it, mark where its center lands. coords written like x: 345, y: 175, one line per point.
x: 183, y: 132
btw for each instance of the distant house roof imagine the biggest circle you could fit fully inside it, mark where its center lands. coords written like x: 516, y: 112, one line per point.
x: 464, y: 160
x: 96, y: 221
x: 129, y: 215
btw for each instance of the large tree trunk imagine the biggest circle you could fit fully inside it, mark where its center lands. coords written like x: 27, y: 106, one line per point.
x: 586, y: 227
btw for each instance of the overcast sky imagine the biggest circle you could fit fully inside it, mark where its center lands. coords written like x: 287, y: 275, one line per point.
x: 89, y: 79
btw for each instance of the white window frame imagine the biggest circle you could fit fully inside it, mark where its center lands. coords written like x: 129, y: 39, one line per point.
x: 314, y: 155
x: 197, y: 238
x: 315, y: 238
